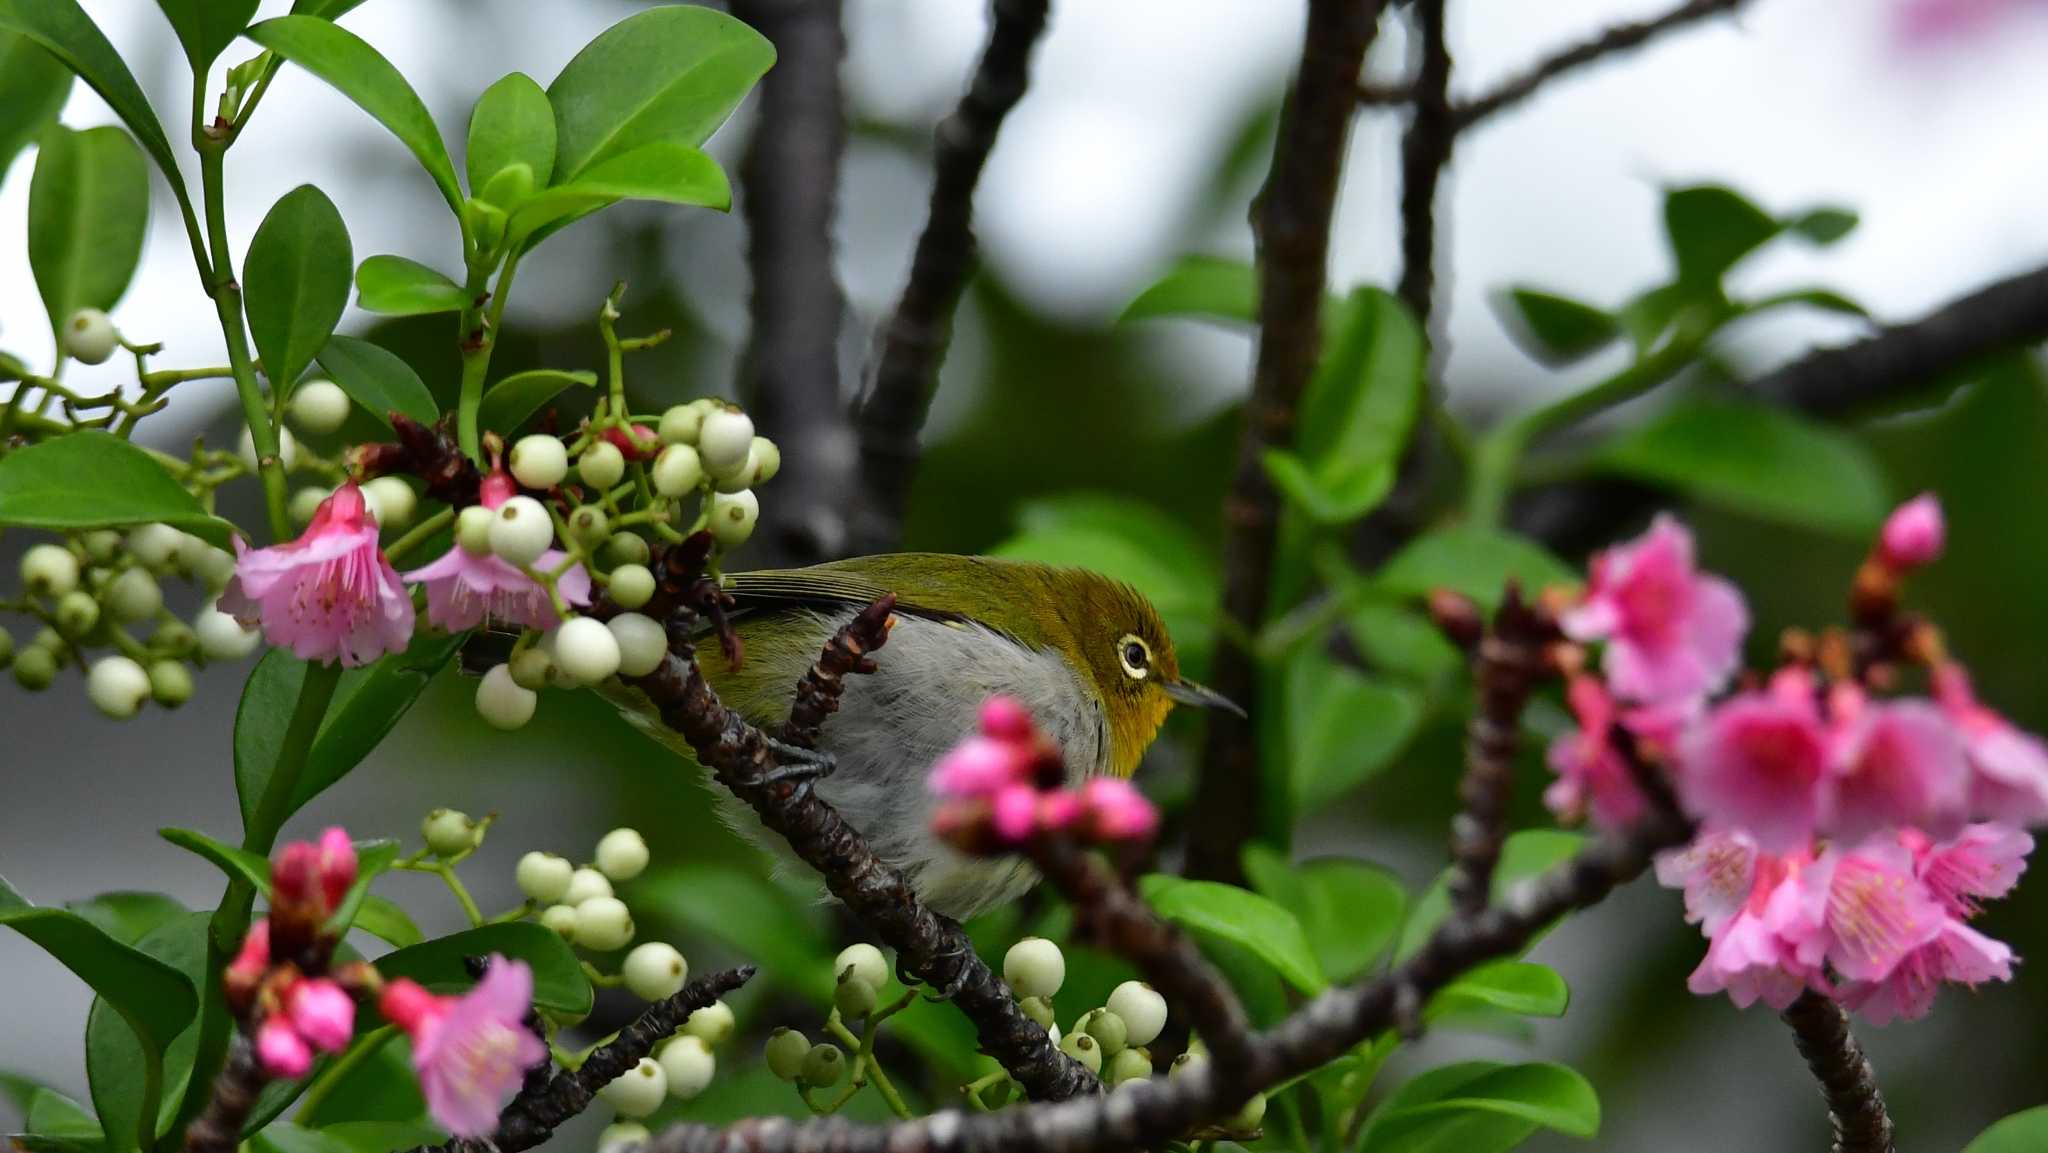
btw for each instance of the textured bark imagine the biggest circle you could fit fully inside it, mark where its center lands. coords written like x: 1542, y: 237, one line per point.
x: 218, y: 1128
x: 1510, y: 662
x: 1425, y: 153
x: 1855, y: 1106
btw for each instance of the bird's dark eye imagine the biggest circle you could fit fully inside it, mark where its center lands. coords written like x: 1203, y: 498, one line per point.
x: 1136, y: 657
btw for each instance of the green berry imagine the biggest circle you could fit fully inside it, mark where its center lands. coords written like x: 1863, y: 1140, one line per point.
x: 615, y: 1137
x: 589, y: 526
x: 155, y: 546
x: 35, y: 668
x: 1081, y: 1047
x: 626, y: 548
x: 854, y: 997
x: 733, y: 516
x: 562, y: 919
x: 1039, y: 1010
x: 602, y: 465
x: 222, y: 637
x: 586, y: 650
x: 786, y: 1051
x: 539, y: 461
x: 318, y: 407
x: 824, y: 1066
x: 586, y: 884
x: 448, y: 832
x: 174, y: 637
x: 530, y: 669
x: 679, y: 424
x: 723, y: 440
x: 521, y: 530
x: 1108, y: 1029
x: 766, y: 457
x: 677, y: 471
x: 865, y: 961
x: 1132, y: 1064
x: 603, y: 924
x: 622, y: 854
x: 544, y: 877
x: 503, y: 702
x: 473, y: 530
x: 632, y: 585
x: 170, y: 683
x: 90, y: 337
x: 638, y: 1091
x: 392, y: 500
x: 6, y: 648
x: 77, y: 613
x: 134, y: 596
x: 101, y: 545
x: 643, y: 643
x: 306, y: 502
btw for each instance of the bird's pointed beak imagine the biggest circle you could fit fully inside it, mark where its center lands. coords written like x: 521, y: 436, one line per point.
x: 1200, y: 696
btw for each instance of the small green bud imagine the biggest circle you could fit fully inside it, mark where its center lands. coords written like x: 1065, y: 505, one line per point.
x: 101, y: 545
x: 1108, y: 1029
x: 1040, y: 1010
x: 1081, y: 1047
x: 35, y: 668
x: 134, y: 596
x: 786, y: 1052
x: 602, y: 465
x: 486, y: 223
x: 854, y: 997
x: 448, y: 832
x: 589, y: 525
x: 170, y: 683
x: 1248, y: 1118
x: 632, y: 585
x: 530, y: 670
x: 1133, y: 1064
x: 824, y: 1066
x: 626, y: 548
x: 174, y: 637
x: 77, y: 613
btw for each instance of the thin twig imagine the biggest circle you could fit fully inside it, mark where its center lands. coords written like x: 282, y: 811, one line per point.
x: 1294, y: 241
x: 1855, y: 1106
x: 1510, y: 662
x: 1425, y: 153
x: 817, y: 694
x: 913, y: 343
x: 218, y: 1128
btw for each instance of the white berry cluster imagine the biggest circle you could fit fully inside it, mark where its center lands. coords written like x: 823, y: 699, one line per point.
x: 99, y: 598
x: 681, y: 1067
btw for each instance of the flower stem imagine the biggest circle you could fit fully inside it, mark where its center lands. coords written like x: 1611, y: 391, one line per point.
x: 227, y: 302
x: 419, y: 533
x: 479, y: 338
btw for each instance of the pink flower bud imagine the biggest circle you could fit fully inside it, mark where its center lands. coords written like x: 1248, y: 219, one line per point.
x: 283, y: 1054
x: 1005, y: 719
x: 1117, y: 811
x: 979, y: 767
x: 337, y: 865
x: 321, y: 1012
x: 254, y: 957
x: 496, y: 488
x: 1914, y: 534
x: 643, y: 443
x: 1015, y: 812
x: 407, y: 1005
x: 294, y: 877
x: 1059, y: 810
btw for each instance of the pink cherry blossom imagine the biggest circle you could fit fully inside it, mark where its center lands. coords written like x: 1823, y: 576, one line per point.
x: 1914, y: 534
x: 1591, y: 773
x: 1730, y: 889
x: 2008, y: 766
x: 1959, y: 954
x: 329, y: 595
x: 321, y: 1013
x: 1982, y: 863
x: 254, y: 956
x: 981, y: 766
x: 1671, y: 631
x: 1755, y: 766
x: 283, y: 1054
x: 1898, y: 763
x: 1861, y: 910
x: 1117, y: 811
x: 1014, y: 812
x: 471, y: 1052
x: 465, y: 590
x: 1929, y: 21
x: 1717, y: 872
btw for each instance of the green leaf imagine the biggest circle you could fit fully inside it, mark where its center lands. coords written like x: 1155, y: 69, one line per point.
x: 33, y: 88
x: 377, y: 380
x: 662, y: 171
x: 1711, y: 228
x: 128, y: 916
x: 206, y: 27
x: 1360, y: 406
x: 1303, y: 489
x: 2024, y: 1132
x: 88, y: 211
x: 1351, y: 910
x: 297, y: 277
x: 63, y: 28
x: 512, y: 123
x: 1521, y: 987
x: 19, y: 1091
x: 372, y: 859
x: 52, y: 1114
x: 1523, y: 855
x: 1823, y: 226
x: 325, y: 9
x: 558, y: 980
x: 513, y: 400
x: 1210, y: 286
x: 1241, y: 917
x: 671, y: 74
x: 115, y: 1068
x: 1343, y: 726
x: 780, y: 933
x: 1555, y: 330
x: 383, y: 919
x: 1482, y: 1107
x: 1756, y: 459
x: 285, y: 1137
x: 396, y: 286
x: 1825, y: 299
x: 1473, y: 561
x: 1402, y: 643
x: 229, y: 859
x: 93, y: 479
x: 383, y: 1136
x: 381, y: 1089
x: 342, y: 59
x: 1648, y: 316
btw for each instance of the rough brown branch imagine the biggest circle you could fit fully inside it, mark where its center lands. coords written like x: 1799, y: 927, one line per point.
x: 913, y: 343
x: 1294, y: 240
x: 1425, y: 153
x: 1510, y: 662
x: 1855, y: 1106
x: 817, y: 694
x: 789, y: 186
x: 218, y: 1128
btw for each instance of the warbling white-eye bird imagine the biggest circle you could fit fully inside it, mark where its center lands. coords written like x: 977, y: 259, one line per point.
x: 1086, y: 654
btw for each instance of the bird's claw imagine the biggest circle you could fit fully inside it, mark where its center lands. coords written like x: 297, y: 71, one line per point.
x: 797, y: 765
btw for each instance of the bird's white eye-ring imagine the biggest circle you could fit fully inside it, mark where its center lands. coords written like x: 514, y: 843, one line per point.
x: 1135, y: 656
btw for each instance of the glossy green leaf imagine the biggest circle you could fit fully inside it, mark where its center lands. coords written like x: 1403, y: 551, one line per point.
x: 1401, y: 642
x: 326, y: 9
x: 1482, y: 1107
x: 359, y: 72
x: 662, y: 171
x: 1361, y: 405
x: 396, y: 286
x: 558, y: 980
x: 206, y: 27
x: 116, y: 1068
x: 1206, y: 286
x: 128, y: 916
x: 781, y: 933
x: 1242, y: 917
x: 19, y: 1091
x: 1648, y: 316
x: 1473, y: 561
x: 1520, y: 987
x: 93, y: 479
x: 1299, y: 485
x: 233, y: 861
x: 1824, y: 226
x: 2024, y: 1132
x: 1351, y: 910
x: 1555, y: 330
x: 52, y: 1114
x: 296, y: 279
x: 376, y: 379
x: 1824, y: 299
x: 383, y: 1136
x: 1710, y: 228
x: 285, y: 1137
x: 88, y: 211
x: 671, y: 74
x: 1523, y: 855
x: 512, y: 401
x: 512, y: 123
x: 382, y: 1089
x: 63, y: 28
x: 1756, y: 459
x: 383, y: 919
x: 1343, y: 726
x: 33, y: 88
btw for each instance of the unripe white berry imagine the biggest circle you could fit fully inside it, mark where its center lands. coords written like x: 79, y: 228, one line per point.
x: 742, y: 477
x: 689, y: 1064
x: 449, y: 831
x: 622, y: 854
x: 305, y: 503
x: 680, y: 423
x: 1035, y: 967
x: 1038, y: 1009
x: 34, y: 668
x: 156, y: 545
x: 531, y: 669
x: 824, y: 1065
x: 627, y: 548
x: 785, y: 1051
x: 172, y: 636
x: 677, y: 470
x: 562, y: 919
x: 1187, y: 1064
x: 473, y: 530
x: 117, y: 686
x: 603, y: 924
x: 638, y: 1091
x: 733, y: 516
x: 854, y: 998
x: 392, y: 500
x: 1248, y: 1119
x: 589, y: 525
x: 504, y: 703
x: 521, y: 531
x: 1081, y: 1047
x: 586, y: 650
x: 642, y: 643
x: 616, y: 1136
x: 318, y: 406
x: 766, y: 457
x: 1107, y: 1028
x: 655, y: 971
x: 1132, y: 1064
x: 76, y: 613
x: 539, y: 461
x: 170, y: 683
x: 867, y: 964
x: 1143, y: 1011
x: 134, y: 596
x: 49, y: 570
x: 544, y: 876
x: 287, y: 449
x: 210, y: 565
x: 101, y: 545
x: 723, y: 440
x: 90, y: 337
x: 632, y: 585
x: 601, y: 465
x: 713, y: 1023
x: 586, y: 884
x: 222, y: 637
